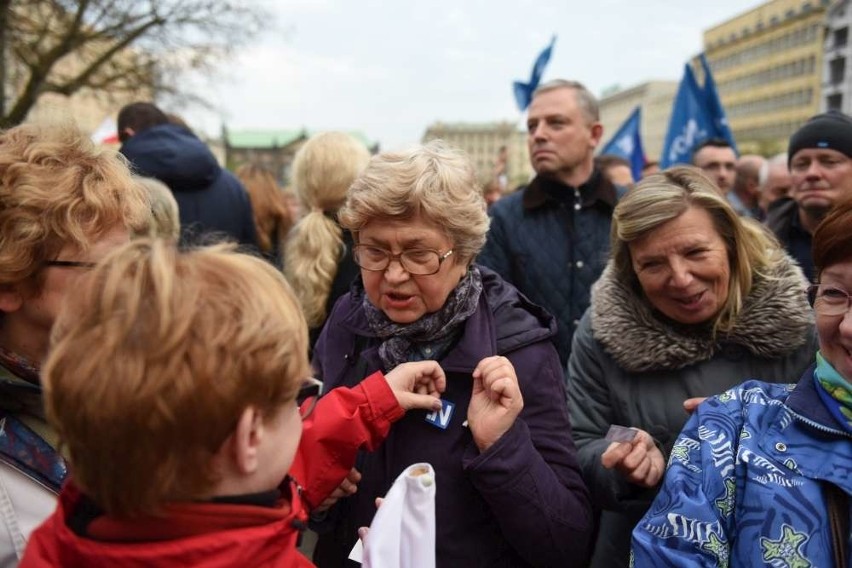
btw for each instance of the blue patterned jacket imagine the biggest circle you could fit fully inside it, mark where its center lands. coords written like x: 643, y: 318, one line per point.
x: 744, y: 483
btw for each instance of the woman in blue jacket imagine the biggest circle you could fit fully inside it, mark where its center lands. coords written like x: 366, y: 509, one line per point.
x: 508, y: 494
x: 761, y: 475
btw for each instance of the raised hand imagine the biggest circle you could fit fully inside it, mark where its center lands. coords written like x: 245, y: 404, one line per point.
x: 640, y: 461
x: 418, y: 384
x: 495, y: 401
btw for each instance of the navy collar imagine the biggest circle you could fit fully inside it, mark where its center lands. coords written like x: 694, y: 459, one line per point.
x: 805, y: 401
x: 542, y: 191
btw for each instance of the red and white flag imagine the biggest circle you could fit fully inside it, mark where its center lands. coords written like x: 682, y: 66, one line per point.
x: 107, y: 132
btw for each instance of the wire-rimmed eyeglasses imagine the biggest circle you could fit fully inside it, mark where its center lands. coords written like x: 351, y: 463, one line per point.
x: 308, y: 395
x: 419, y: 262
x: 829, y: 300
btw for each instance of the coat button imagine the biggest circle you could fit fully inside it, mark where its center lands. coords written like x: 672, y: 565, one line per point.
x: 781, y: 446
x: 579, y: 264
x: 577, y: 206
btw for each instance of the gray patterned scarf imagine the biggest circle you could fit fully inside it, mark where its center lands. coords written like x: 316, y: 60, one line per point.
x: 431, y: 335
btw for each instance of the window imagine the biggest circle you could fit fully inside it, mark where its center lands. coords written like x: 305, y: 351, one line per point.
x: 837, y: 70
x: 834, y: 102
x: 841, y: 37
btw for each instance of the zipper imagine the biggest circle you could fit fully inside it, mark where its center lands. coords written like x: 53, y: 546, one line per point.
x: 818, y: 426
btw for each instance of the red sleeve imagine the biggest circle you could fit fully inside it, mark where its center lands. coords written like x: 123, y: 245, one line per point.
x: 344, y: 421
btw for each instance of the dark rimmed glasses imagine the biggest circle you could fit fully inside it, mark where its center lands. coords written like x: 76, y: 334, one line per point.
x: 829, y: 300
x: 70, y: 263
x: 308, y: 395
x: 419, y: 262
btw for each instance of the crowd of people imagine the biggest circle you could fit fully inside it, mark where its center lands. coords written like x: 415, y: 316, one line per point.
x: 600, y: 371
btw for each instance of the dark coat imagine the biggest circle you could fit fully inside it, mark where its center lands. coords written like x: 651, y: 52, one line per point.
x: 552, y: 242
x: 211, y: 200
x: 630, y: 367
x: 783, y: 220
x: 521, y: 502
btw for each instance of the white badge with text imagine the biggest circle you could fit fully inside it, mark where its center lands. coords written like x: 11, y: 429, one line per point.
x: 441, y: 418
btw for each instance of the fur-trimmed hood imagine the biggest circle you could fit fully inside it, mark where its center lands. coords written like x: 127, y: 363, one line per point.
x: 775, y: 320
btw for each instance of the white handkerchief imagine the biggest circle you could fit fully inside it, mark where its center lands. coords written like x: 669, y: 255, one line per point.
x: 402, y: 534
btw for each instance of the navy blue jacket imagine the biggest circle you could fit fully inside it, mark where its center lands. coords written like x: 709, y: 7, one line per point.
x: 520, y: 503
x: 211, y: 200
x: 552, y: 242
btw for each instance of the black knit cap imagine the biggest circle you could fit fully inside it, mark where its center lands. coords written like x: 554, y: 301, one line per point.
x: 832, y: 130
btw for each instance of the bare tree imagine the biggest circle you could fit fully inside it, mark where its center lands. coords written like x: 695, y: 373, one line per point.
x: 113, y: 46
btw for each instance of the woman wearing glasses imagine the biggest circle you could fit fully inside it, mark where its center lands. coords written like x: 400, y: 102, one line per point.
x: 761, y: 475
x: 509, y: 490
x: 63, y: 206
x: 695, y: 300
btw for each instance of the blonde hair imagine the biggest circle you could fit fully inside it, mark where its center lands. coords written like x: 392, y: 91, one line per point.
x: 57, y: 189
x: 268, y: 204
x: 165, y: 217
x: 433, y: 181
x: 661, y: 197
x: 177, y: 345
x: 323, y: 169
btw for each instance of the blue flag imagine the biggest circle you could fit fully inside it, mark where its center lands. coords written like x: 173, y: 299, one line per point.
x: 627, y: 143
x: 524, y: 91
x: 714, y: 105
x: 690, y: 122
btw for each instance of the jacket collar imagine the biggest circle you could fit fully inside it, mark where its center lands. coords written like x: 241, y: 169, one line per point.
x: 544, y: 191
x: 775, y: 320
x: 806, y: 402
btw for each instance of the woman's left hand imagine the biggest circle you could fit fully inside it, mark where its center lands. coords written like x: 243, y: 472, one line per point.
x: 495, y: 401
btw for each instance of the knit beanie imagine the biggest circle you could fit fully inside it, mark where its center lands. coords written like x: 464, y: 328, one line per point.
x: 832, y: 130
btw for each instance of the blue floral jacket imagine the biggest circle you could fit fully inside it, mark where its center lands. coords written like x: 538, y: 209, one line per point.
x: 744, y: 483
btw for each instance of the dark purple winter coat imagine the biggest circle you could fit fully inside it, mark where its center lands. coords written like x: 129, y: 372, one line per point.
x: 522, y: 502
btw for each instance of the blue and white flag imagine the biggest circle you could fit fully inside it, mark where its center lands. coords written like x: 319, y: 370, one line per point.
x: 523, y: 91
x: 690, y: 123
x: 714, y: 106
x: 627, y: 143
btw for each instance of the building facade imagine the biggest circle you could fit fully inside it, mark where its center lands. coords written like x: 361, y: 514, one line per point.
x: 482, y: 143
x: 837, y: 58
x: 768, y: 66
x: 655, y: 98
x: 272, y: 149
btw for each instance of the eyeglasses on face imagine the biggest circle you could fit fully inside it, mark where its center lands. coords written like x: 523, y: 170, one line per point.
x: 308, y: 395
x: 419, y: 262
x: 70, y: 263
x: 829, y: 300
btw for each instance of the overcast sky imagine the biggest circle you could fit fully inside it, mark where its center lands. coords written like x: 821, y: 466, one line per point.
x: 389, y: 68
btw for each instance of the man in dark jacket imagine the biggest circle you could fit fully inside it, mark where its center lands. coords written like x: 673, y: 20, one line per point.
x: 551, y: 239
x: 212, y: 202
x: 820, y: 162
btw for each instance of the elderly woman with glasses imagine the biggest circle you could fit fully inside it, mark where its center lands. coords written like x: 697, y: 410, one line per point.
x: 509, y: 487
x: 761, y: 475
x: 695, y: 300
x: 63, y: 206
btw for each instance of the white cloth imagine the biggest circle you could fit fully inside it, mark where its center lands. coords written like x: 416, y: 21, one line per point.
x: 402, y: 534
x: 24, y: 504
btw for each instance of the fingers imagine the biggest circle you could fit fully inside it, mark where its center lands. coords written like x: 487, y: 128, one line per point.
x: 347, y: 487
x: 615, y: 454
x: 410, y: 401
x: 640, y: 461
x: 499, y: 381
x: 691, y: 404
x: 420, y: 377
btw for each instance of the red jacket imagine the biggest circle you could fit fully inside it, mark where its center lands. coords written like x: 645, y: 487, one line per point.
x: 216, y: 535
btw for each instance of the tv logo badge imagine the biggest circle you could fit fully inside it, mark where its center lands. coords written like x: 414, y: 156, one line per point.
x: 441, y: 418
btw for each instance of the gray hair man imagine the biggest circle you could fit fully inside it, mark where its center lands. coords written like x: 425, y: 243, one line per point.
x: 551, y: 239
